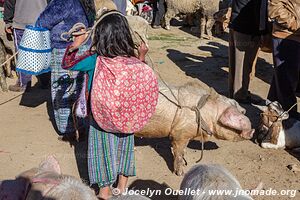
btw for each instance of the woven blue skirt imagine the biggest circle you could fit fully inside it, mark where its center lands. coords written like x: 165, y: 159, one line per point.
x: 109, y: 155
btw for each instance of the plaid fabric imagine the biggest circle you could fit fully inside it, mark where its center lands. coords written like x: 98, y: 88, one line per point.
x: 65, y: 90
x: 109, y: 155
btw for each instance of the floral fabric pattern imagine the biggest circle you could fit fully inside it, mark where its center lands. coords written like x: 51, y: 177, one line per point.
x: 124, y: 94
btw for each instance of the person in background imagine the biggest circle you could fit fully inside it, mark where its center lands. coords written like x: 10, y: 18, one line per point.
x: 18, y: 14
x: 248, y: 23
x: 121, y: 5
x: 59, y: 17
x: 286, y: 53
x: 159, y: 12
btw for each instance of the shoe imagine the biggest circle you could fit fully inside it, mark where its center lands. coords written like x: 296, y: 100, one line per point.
x: 156, y: 26
x: 68, y: 138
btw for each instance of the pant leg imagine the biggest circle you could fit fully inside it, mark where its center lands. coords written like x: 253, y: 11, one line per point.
x: 246, y: 48
x: 159, y: 12
x: 231, y: 57
x: 23, y: 77
x: 286, y: 73
x: 121, y: 5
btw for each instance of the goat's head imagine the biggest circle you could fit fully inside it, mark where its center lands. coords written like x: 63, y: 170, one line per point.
x: 273, y: 113
x: 271, y: 125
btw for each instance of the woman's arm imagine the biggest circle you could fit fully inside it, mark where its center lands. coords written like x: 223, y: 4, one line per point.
x: 54, y: 13
x: 142, y: 51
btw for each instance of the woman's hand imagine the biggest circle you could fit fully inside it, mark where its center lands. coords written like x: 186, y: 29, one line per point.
x: 142, y: 51
x: 8, y: 30
x: 78, y: 41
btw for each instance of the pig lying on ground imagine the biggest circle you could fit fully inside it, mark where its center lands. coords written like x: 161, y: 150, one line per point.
x: 47, y: 182
x: 222, y: 118
x: 209, y: 178
x: 277, y: 131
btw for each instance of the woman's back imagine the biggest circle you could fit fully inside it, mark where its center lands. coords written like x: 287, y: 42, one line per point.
x: 59, y: 17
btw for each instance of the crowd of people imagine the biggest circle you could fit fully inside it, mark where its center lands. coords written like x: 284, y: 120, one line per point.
x: 250, y: 22
x: 111, y: 151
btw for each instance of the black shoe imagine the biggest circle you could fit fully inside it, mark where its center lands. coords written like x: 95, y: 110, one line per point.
x: 68, y: 138
x: 156, y: 26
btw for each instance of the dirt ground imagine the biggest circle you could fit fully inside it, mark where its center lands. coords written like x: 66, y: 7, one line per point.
x: 27, y: 134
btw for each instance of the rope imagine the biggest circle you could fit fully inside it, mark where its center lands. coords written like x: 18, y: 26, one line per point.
x: 9, y: 59
x: 279, y: 116
x: 199, y: 120
x: 74, y: 31
x: 9, y: 100
x: 290, y: 108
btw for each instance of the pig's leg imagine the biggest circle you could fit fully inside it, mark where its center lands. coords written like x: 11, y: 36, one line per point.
x: 179, y: 146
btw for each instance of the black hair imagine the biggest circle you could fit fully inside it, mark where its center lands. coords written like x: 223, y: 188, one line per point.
x: 112, y: 36
x: 90, y: 10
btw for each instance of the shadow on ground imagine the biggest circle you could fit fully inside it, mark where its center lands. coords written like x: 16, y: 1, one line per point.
x: 163, y: 147
x: 205, y: 65
x: 295, y: 153
x: 37, y: 97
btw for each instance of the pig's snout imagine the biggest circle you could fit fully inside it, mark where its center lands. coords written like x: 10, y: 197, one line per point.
x: 247, y: 134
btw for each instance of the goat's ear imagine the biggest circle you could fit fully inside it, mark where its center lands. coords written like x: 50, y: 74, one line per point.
x: 261, y: 108
x: 268, y: 102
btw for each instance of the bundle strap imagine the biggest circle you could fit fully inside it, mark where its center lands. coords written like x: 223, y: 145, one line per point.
x: 80, y: 29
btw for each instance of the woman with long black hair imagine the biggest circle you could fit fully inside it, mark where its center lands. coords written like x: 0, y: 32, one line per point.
x: 59, y: 17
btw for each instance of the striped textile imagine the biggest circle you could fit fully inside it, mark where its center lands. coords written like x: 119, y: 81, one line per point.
x: 65, y: 90
x: 109, y: 155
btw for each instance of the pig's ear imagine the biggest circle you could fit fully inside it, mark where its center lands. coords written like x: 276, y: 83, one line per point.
x: 231, y: 118
x: 50, y: 165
